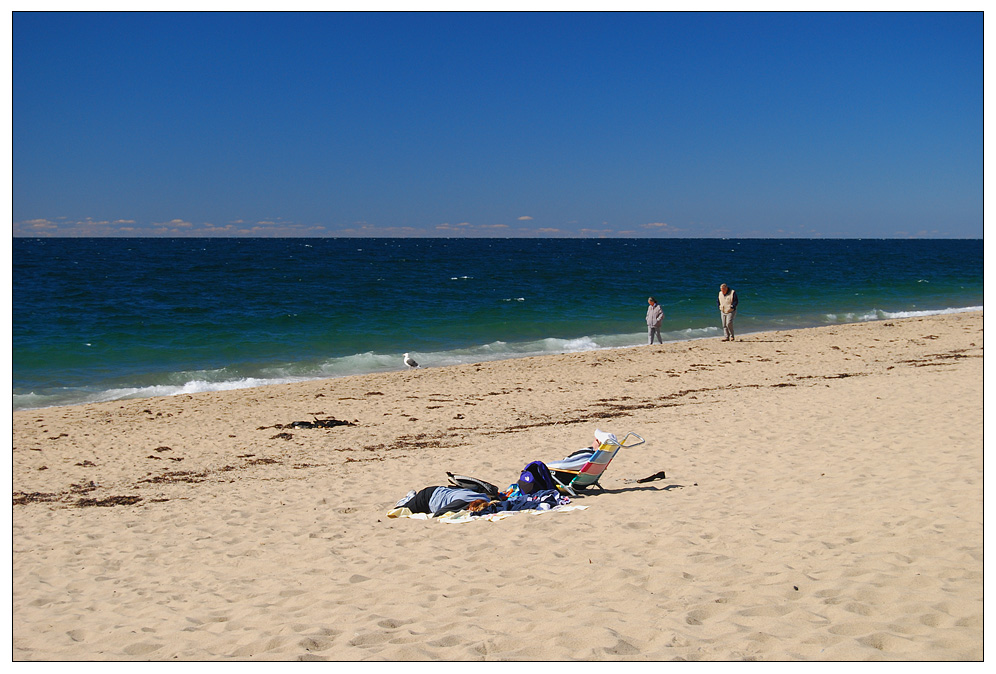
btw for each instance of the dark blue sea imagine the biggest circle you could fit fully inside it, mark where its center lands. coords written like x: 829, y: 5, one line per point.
x: 103, y: 319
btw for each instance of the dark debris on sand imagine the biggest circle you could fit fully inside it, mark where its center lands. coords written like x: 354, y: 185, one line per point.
x: 330, y: 422
x: 177, y: 476
x: 23, y: 498
x: 107, y: 502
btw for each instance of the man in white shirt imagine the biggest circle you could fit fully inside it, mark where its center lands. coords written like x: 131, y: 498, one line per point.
x: 727, y: 302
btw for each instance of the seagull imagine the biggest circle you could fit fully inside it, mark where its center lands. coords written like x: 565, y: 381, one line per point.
x: 410, y: 362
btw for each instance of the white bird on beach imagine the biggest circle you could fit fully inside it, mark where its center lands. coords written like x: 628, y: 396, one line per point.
x: 410, y: 362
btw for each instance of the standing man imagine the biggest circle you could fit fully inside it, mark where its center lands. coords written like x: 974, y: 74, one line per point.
x: 655, y: 316
x: 727, y: 302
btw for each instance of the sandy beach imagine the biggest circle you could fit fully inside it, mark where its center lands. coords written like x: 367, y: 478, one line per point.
x: 823, y: 500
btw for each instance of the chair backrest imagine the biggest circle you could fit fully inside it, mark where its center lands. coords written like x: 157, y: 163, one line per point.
x: 599, y: 461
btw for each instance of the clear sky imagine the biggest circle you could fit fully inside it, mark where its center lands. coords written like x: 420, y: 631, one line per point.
x: 498, y: 124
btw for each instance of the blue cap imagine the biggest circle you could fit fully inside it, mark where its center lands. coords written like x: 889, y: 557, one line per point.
x: 526, y: 482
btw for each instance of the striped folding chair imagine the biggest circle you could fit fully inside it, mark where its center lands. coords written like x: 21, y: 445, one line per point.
x: 570, y: 481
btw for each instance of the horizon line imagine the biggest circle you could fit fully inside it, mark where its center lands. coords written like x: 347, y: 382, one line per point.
x: 509, y: 238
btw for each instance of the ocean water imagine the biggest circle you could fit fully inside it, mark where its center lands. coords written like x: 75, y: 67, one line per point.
x: 104, y: 319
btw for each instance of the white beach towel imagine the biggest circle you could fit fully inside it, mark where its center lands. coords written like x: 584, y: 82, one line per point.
x: 465, y: 516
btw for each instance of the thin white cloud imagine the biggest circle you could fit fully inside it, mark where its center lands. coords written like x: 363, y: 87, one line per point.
x: 174, y: 223
x: 175, y: 227
x: 661, y: 228
x: 368, y: 230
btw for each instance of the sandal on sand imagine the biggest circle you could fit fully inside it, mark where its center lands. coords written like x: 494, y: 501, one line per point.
x: 655, y: 476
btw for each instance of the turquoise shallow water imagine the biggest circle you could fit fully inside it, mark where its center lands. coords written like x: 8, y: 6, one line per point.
x: 101, y: 319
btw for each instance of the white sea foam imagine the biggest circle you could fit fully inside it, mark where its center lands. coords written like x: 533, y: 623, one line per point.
x: 191, y: 386
x: 879, y: 315
x: 185, y: 386
x: 179, y: 383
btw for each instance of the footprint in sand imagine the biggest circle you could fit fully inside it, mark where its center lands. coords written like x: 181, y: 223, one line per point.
x: 316, y: 643
x: 766, y: 611
x: 142, y: 648
x: 851, y: 629
x: 889, y: 643
x: 369, y: 639
x: 859, y: 608
x: 623, y: 648
x: 311, y: 657
x: 393, y: 623
x: 77, y: 635
x: 699, y: 615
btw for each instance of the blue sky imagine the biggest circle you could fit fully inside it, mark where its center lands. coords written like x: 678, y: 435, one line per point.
x: 495, y: 124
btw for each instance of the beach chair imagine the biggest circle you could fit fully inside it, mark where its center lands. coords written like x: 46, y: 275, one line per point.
x: 570, y: 481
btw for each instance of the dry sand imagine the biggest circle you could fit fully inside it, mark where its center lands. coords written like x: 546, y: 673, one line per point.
x: 823, y: 501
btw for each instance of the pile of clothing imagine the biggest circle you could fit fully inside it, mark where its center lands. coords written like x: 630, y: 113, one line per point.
x: 536, y: 489
x: 440, y: 500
